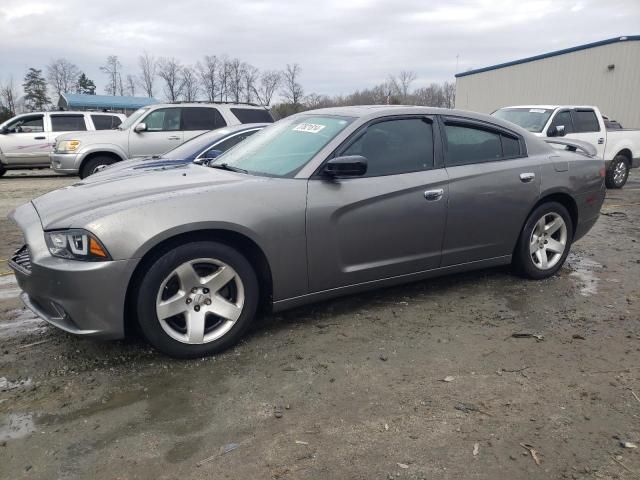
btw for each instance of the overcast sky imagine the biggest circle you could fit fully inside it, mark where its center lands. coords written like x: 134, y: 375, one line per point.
x: 341, y: 45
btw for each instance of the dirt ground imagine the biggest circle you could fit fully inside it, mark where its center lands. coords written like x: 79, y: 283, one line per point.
x: 423, y: 381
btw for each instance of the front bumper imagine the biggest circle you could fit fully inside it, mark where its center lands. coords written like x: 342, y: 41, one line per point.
x: 84, y: 298
x: 64, y: 162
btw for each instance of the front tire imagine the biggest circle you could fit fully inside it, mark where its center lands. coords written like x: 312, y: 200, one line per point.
x: 95, y: 164
x: 618, y: 172
x: 197, y: 299
x: 544, y: 242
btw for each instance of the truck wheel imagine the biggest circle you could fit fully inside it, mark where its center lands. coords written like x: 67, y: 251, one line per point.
x: 95, y: 164
x: 618, y: 172
x: 197, y: 299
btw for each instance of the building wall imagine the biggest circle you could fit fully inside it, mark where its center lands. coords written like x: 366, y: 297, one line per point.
x: 579, y: 77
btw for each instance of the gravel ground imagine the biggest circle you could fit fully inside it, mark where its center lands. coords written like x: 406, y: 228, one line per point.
x: 419, y: 381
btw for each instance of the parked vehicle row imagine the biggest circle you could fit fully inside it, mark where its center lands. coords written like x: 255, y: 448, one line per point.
x: 620, y: 148
x: 27, y: 140
x: 320, y: 204
x: 84, y: 142
x: 149, y: 131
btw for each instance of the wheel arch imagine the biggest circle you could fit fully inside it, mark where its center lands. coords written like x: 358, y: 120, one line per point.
x: 564, y: 199
x: 241, y: 242
x: 625, y: 152
x: 118, y: 156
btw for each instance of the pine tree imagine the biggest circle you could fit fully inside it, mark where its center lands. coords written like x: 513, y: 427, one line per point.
x: 35, y: 90
x: 85, y: 85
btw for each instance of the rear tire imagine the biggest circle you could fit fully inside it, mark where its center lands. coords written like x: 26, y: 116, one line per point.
x: 618, y: 172
x: 197, y: 299
x: 95, y: 164
x: 544, y: 242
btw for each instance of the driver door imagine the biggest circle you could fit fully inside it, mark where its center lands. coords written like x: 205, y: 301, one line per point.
x: 389, y: 222
x: 26, y: 143
x: 163, y: 133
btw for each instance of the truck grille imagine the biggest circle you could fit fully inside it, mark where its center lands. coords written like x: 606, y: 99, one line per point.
x: 21, y: 259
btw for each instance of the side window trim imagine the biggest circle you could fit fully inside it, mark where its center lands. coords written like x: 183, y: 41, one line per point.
x: 362, y: 129
x: 480, y: 125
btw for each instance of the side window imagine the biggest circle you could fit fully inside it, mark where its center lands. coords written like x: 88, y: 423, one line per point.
x: 466, y: 145
x: 585, y: 121
x: 199, y: 118
x: 27, y: 124
x: 395, y: 146
x: 68, y: 123
x: 563, y: 118
x: 230, y: 142
x: 510, y: 146
x: 105, y: 122
x: 252, y: 115
x: 163, y: 120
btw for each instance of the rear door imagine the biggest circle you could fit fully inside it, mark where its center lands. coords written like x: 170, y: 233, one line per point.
x: 492, y: 186
x: 26, y: 141
x: 163, y: 133
x: 388, y: 222
x: 588, y: 129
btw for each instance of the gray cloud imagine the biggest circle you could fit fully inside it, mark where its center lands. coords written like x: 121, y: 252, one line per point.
x: 341, y: 45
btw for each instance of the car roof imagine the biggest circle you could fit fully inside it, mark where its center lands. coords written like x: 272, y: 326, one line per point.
x: 548, y: 107
x: 250, y: 106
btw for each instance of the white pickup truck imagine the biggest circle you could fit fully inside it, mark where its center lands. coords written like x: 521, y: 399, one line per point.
x: 620, y: 148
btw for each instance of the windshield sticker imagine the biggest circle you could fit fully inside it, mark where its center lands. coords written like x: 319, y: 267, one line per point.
x: 537, y: 110
x: 308, y: 127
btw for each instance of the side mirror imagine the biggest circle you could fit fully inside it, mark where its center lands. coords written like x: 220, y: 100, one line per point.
x: 347, y: 166
x: 141, y: 127
x: 557, y: 131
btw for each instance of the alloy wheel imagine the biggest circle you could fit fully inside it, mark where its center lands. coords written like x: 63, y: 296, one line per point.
x: 548, y: 241
x: 619, y: 173
x: 200, y: 301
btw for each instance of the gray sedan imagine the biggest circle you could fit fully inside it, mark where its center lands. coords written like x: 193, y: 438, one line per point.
x: 317, y: 205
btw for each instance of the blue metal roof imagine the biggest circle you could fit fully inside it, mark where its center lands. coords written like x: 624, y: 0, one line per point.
x: 550, y: 54
x: 77, y: 100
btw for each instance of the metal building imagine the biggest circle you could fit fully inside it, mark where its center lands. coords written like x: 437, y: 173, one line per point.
x: 605, y: 74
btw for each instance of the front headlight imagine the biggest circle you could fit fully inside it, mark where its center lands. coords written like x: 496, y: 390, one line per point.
x: 76, y: 245
x: 67, y: 146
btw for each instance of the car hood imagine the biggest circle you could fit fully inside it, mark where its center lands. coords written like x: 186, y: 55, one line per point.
x: 96, y: 136
x: 133, y: 165
x: 101, y: 195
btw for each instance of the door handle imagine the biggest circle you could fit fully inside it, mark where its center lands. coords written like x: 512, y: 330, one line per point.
x: 174, y: 138
x: 601, y: 141
x: 527, y: 177
x: 40, y: 138
x: 433, y: 195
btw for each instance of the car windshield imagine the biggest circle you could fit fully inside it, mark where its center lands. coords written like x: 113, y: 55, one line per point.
x: 532, y: 119
x: 282, y: 149
x: 131, y: 119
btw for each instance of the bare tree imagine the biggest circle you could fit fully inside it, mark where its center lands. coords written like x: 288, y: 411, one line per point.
x: 114, y: 77
x: 431, y: 96
x: 131, y: 85
x: 208, y: 73
x: 170, y: 71
x: 223, y: 78
x: 449, y: 92
x: 269, y: 83
x: 62, y: 75
x: 148, y: 70
x: 249, y: 79
x: 292, y: 91
x: 235, y: 79
x: 190, y: 87
x: 402, y: 83
x: 8, y: 95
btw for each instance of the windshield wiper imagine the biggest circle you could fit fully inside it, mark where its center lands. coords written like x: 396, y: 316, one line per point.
x: 226, y: 166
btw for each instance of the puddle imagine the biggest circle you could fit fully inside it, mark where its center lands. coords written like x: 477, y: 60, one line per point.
x: 20, y: 322
x: 584, y: 274
x: 8, y: 287
x: 16, y: 425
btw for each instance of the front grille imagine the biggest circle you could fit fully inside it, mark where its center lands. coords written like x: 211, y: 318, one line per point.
x: 21, y: 260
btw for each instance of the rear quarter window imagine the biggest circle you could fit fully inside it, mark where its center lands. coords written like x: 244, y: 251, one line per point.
x: 252, y: 115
